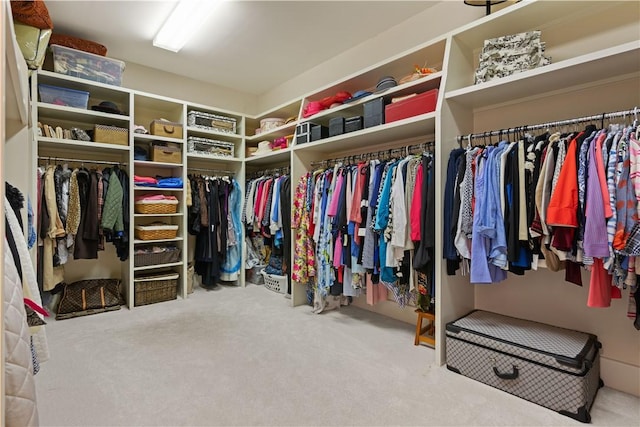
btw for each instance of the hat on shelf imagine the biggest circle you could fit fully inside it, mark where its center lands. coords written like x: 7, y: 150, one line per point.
x: 385, y: 83
x: 264, y: 147
x: 357, y: 95
x: 312, y: 108
x: 107, y: 107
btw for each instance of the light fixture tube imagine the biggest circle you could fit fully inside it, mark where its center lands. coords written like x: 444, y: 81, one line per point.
x: 185, y: 20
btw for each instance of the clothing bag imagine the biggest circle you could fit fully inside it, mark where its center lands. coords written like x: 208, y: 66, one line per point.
x: 554, y: 367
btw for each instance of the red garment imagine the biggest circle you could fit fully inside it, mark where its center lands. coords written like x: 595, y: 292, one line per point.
x: 602, y: 176
x: 599, y: 285
x: 563, y: 205
x: 416, y: 205
x: 355, y: 215
x: 263, y: 202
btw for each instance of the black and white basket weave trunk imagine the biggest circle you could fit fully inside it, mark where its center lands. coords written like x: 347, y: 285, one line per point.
x: 553, y: 367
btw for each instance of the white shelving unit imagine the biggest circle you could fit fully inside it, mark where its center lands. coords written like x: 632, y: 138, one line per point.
x: 595, y: 51
x: 595, y: 68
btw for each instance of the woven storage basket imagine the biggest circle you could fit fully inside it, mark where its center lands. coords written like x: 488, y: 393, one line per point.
x: 166, y: 152
x: 155, y: 288
x: 274, y: 282
x: 156, y: 208
x: 168, y: 256
x: 110, y: 135
x: 165, y: 128
x: 149, y: 233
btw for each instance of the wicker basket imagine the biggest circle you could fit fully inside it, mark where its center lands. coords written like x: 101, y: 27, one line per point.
x: 274, y: 282
x: 151, y: 232
x: 156, y: 208
x: 166, y: 257
x: 166, y: 128
x: 155, y: 288
x: 111, y: 135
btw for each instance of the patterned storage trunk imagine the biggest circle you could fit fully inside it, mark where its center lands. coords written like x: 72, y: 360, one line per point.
x: 553, y: 367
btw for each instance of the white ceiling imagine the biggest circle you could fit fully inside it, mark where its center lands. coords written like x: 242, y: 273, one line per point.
x: 250, y: 46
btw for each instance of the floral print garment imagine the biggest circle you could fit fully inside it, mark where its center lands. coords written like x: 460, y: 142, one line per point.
x: 304, y: 255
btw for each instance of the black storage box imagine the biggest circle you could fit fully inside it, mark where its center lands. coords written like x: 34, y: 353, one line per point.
x: 336, y: 126
x: 353, y: 124
x: 374, y: 112
x: 303, y: 133
x: 319, y: 132
x: 554, y: 367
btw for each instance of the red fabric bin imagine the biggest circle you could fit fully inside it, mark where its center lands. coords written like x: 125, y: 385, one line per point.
x: 416, y: 105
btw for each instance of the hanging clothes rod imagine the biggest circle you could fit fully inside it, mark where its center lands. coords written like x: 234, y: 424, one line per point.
x: 282, y: 171
x: 602, y: 117
x: 376, y: 154
x: 221, y: 171
x: 97, y: 162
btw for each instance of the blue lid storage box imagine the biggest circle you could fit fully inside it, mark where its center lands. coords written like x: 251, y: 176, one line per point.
x: 63, y: 96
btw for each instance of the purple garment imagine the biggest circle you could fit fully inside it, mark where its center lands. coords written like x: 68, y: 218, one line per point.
x: 595, y: 231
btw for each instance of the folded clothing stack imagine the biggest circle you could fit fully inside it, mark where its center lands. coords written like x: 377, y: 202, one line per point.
x: 156, y: 198
x: 159, y: 182
x: 507, y: 55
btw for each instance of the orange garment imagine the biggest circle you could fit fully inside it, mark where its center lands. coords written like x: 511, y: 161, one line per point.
x: 563, y: 205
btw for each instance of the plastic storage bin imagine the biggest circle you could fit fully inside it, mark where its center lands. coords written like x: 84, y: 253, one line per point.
x: 86, y: 65
x: 63, y: 96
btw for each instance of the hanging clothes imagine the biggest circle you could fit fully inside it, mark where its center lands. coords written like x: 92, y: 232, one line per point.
x: 563, y: 201
x: 76, y: 213
x: 357, y: 227
x: 214, y: 218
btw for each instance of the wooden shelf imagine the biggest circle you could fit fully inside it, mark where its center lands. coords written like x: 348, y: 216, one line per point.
x: 284, y: 130
x: 431, y: 81
x: 156, y: 189
x: 58, y: 112
x: 618, y: 61
x: 192, y: 130
x: 96, y: 89
x: 213, y: 158
x: 84, y: 146
x: 150, y: 164
x: 141, y: 242
x: 411, y: 127
x: 149, y: 137
x: 156, y: 215
x: 273, y: 157
x: 154, y: 267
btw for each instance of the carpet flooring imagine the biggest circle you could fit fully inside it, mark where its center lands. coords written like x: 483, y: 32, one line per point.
x: 243, y: 356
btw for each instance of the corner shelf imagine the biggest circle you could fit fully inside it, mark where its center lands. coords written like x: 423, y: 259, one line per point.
x: 618, y: 61
x: 411, y: 127
x: 271, y: 158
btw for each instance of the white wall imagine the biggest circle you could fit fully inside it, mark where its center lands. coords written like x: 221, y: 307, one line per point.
x: 421, y: 28
x: 164, y: 83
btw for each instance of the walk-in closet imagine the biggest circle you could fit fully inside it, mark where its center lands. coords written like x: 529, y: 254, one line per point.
x: 404, y: 201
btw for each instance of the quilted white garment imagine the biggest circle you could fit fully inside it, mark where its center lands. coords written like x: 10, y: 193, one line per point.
x: 29, y: 281
x: 20, y: 389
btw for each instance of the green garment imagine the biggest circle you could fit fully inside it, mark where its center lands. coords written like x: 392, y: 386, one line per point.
x: 112, y: 210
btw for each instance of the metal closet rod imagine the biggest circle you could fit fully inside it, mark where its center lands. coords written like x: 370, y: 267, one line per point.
x: 97, y: 162
x: 366, y: 156
x: 226, y: 172
x: 602, y: 117
x: 282, y: 170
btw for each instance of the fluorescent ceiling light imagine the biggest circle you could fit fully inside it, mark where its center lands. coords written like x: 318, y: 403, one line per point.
x: 187, y: 18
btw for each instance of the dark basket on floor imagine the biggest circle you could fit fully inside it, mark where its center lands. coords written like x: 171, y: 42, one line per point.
x: 168, y: 256
x: 156, y: 288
